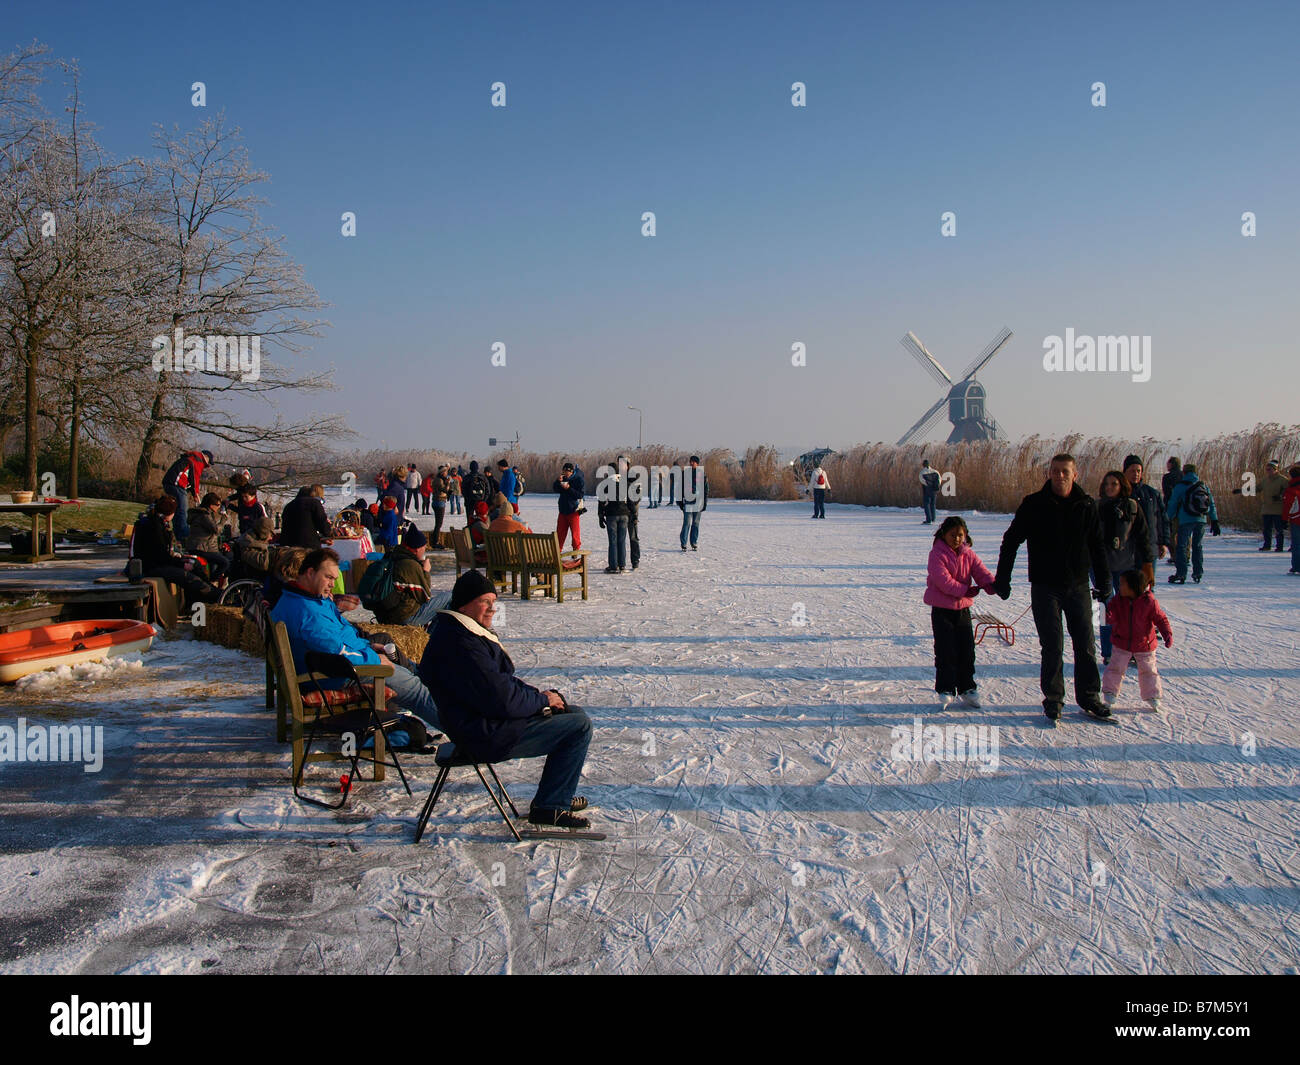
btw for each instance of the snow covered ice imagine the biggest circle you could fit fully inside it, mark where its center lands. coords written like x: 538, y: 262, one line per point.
x: 742, y: 768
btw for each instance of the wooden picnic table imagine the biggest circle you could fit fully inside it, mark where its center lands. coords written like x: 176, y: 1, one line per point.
x: 34, y: 511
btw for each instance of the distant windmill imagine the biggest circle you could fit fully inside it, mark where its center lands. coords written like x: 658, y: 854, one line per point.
x: 965, y: 397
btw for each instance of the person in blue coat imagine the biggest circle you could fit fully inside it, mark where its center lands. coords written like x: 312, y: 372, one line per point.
x: 389, y: 525
x: 314, y: 623
x: 1191, y: 506
x: 509, y: 484
x: 491, y: 715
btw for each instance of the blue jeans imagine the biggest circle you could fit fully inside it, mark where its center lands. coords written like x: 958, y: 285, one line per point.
x: 412, y: 695
x: 455, y: 504
x: 1295, y: 548
x: 181, y: 522
x: 564, y: 739
x: 616, y: 527
x: 819, y: 502
x: 691, y: 526
x: 1106, y: 646
x: 1190, y: 534
x: 927, y: 502
x: 1271, y: 523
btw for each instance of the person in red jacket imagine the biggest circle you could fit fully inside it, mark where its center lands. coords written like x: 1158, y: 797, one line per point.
x: 1135, y: 617
x: 1291, y: 515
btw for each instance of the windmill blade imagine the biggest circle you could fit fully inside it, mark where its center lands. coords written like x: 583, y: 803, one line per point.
x: 928, y: 362
x: 925, y: 423
x: 982, y: 359
x: 993, y: 425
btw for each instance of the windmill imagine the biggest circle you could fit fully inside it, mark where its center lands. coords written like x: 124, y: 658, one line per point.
x: 965, y: 397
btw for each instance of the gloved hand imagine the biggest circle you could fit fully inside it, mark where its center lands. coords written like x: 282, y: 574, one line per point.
x: 1169, y: 643
x: 1214, y: 528
x: 972, y: 591
x: 1002, y: 589
x: 1100, y: 596
x: 601, y: 522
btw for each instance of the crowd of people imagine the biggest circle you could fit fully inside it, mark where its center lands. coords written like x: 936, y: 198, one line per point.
x: 1081, y: 549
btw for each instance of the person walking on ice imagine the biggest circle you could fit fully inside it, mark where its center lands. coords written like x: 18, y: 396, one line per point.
x: 820, y: 486
x: 1061, y: 524
x: 693, y: 502
x: 1135, y: 617
x: 953, y: 579
x: 930, y: 480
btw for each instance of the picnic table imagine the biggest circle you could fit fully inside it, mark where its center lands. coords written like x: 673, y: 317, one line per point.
x: 34, y: 511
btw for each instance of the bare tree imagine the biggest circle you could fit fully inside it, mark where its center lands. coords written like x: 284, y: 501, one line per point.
x: 226, y: 274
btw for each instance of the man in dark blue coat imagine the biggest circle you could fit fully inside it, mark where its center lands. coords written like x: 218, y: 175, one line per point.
x: 491, y: 714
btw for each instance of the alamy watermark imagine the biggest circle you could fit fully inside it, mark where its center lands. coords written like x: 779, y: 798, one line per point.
x: 947, y: 743
x: 1103, y: 354
x: 216, y: 353
x: 53, y: 743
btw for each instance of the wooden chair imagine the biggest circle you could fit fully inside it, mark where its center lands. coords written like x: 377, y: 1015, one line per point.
x: 297, y: 704
x: 548, y: 565
x: 504, y: 560
x: 460, y: 543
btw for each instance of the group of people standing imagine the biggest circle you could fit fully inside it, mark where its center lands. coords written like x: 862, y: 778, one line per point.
x: 1081, y: 549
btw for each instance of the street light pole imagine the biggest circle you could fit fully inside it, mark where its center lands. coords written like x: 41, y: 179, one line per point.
x: 639, y: 422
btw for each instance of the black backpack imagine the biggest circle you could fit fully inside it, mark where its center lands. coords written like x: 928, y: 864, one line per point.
x: 1198, y: 500
x: 475, y: 489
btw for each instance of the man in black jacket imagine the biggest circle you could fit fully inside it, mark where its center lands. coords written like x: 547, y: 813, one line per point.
x: 303, y: 523
x: 1061, y: 524
x: 154, y: 544
x: 1153, y: 509
x: 491, y: 715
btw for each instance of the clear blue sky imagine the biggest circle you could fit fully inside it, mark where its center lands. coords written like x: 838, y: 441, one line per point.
x: 775, y: 224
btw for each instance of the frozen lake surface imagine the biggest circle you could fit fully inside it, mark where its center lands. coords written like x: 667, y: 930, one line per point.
x: 744, y: 767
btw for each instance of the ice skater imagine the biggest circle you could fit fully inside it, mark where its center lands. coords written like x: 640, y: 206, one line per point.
x: 1135, y: 617
x: 820, y: 486
x: 953, y: 579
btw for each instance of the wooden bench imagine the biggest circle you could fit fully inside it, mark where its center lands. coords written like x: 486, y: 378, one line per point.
x: 983, y: 622
x: 464, y: 549
x: 504, y: 560
x: 296, y: 704
x: 548, y: 565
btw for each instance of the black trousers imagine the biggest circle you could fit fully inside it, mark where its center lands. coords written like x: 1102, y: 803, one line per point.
x: 438, y: 514
x: 954, y: 650
x: 633, y: 542
x: 1075, y: 603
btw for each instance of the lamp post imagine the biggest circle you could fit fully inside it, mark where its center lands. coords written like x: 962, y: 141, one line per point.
x: 639, y: 422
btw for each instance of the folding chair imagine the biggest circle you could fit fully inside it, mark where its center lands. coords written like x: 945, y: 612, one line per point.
x: 363, y: 724
x: 447, y: 759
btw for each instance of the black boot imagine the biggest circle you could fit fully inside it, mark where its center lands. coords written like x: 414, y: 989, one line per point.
x: 541, y: 815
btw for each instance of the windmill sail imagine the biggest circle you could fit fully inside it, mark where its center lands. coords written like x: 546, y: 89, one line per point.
x: 928, y: 362
x: 982, y: 359
x: 925, y: 423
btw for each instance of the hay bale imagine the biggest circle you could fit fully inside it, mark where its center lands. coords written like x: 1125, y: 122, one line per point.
x: 250, y: 641
x: 410, y: 639
x: 225, y: 626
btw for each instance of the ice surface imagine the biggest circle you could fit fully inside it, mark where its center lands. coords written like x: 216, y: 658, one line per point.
x: 742, y: 767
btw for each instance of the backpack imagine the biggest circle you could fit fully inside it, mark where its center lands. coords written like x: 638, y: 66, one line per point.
x: 1198, y: 500
x: 475, y: 489
x: 377, y: 583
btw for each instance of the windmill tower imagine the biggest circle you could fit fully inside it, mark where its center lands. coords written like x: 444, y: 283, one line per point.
x: 965, y: 397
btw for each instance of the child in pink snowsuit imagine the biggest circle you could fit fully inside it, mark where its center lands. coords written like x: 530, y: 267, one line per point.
x: 954, y: 576
x: 1135, y: 617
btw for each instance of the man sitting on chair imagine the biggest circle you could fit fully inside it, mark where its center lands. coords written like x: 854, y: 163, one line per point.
x: 492, y: 715
x: 314, y: 623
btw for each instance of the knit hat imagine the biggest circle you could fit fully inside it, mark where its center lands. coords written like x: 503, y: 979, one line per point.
x: 1132, y: 460
x: 500, y: 500
x: 263, y: 529
x: 1272, y: 462
x: 414, y: 539
x: 374, y: 508
x: 390, y: 503
x: 480, y: 509
x: 469, y: 586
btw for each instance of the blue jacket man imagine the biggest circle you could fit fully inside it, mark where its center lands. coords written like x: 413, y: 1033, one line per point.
x: 508, y: 484
x: 491, y: 714
x: 314, y: 623
x: 1191, y: 524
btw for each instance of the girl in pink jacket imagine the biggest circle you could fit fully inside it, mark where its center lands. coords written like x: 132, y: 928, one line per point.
x: 1135, y: 617
x: 954, y: 578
